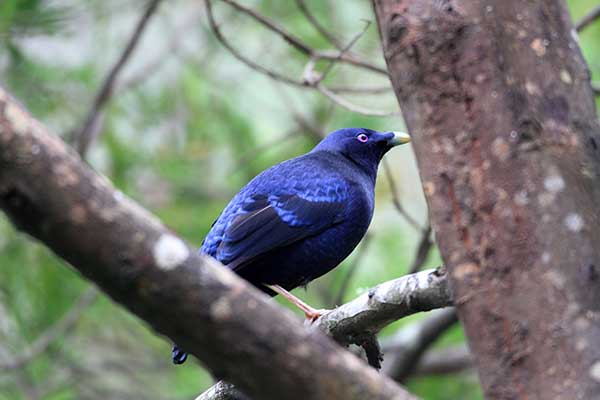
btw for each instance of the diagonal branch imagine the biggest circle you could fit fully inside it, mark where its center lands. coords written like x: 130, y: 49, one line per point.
x: 588, y: 19
x: 302, y: 46
x: 357, y: 321
x: 386, y: 303
x: 47, y: 191
x: 301, y: 4
x: 411, y: 342
x: 85, y: 135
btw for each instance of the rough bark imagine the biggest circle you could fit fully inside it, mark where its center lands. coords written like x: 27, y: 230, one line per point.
x: 498, y: 99
x: 233, y: 329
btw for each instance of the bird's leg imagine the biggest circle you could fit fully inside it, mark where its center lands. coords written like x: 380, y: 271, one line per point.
x: 311, y: 314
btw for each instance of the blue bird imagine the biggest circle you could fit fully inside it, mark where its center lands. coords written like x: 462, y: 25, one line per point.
x: 299, y: 219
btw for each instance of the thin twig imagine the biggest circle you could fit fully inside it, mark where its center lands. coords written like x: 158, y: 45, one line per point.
x: 396, y: 199
x: 59, y: 329
x: 298, y: 44
x: 343, y: 51
x: 411, y: 342
x: 423, y: 250
x: 253, y: 65
x: 173, y: 47
x: 85, y: 135
x: 596, y: 88
x: 302, y: 46
x: 354, y: 107
x: 317, y: 25
x: 361, y: 90
x: 448, y: 360
x: 587, y: 19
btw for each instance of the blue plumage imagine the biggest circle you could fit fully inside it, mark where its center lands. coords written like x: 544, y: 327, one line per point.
x: 299, y: 219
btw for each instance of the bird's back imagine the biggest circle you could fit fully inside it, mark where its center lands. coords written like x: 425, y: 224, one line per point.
x: 294, y: 221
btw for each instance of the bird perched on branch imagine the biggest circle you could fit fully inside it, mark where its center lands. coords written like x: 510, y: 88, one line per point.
x: 299, y: 219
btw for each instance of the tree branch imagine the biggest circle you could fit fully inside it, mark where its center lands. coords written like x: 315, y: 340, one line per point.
x: 48, y: 192
x: 308, y: 82
x: 357, y: 321
x: 386, y: 303
x: 303, y: 47
x: 587, y: 19
x: 448, y: 360
x: 85, y: 136
x: 411, y: 342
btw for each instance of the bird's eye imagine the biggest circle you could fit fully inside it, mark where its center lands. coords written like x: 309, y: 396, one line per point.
x: 362, y: 138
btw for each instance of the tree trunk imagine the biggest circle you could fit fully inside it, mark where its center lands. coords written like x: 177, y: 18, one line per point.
x: 498, y: 99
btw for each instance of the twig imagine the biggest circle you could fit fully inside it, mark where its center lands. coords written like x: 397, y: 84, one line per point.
x: 85, y: 135
x: 317, y: 25
x: 596, y: 88
x: 343, y: 51
x: 587, y: 19
x: 59, y: 329
x: 353, y: 107
x: 303, y: 47
x: 253, y: 65
x: 396, y: 199
x: 361, y: 90
x: 423, y: 249
x: 445, y: 361
x: 410, y: 343
x: 149, y: 70
x: 307, y: 82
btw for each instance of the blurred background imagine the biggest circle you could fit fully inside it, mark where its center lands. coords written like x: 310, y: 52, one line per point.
x: 181, y: 127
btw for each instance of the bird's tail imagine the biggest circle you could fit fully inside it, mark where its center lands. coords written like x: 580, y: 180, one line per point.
x: 177, y: 355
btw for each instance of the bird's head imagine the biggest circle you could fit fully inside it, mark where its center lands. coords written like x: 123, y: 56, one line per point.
x: 365, y: 147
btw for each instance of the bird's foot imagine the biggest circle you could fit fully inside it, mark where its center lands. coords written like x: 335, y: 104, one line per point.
x: 312, y: 314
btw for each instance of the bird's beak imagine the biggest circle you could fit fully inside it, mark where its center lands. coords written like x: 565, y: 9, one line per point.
x: 399, y: 138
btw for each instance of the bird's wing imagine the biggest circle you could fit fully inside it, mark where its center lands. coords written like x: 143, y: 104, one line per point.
x: 266, y: 223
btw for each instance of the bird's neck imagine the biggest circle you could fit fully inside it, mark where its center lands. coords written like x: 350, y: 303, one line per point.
x: 368, y: 167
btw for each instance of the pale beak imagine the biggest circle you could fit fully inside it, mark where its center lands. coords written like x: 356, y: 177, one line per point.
x: 399, y: 138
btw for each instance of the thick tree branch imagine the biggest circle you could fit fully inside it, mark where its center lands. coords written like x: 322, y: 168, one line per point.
x: 48, y: 192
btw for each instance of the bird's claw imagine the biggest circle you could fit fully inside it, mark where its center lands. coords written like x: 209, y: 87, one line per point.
x: 313, y: 314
